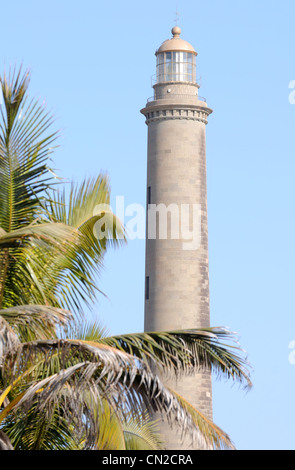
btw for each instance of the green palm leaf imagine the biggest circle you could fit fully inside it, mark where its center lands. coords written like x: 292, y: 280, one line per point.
x: 24, y: 176
x: 187, y: 350
x: 35, y: 321
x: 24, y: 153
x: 88, y: 204
x: 142, y: 433
x: 33, y: 430
x: 22, y: 257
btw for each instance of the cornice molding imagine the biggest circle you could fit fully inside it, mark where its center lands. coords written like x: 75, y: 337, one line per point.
x: 176, y: 113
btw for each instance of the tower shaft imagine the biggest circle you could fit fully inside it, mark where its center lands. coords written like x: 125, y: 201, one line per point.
x: 177, y: 266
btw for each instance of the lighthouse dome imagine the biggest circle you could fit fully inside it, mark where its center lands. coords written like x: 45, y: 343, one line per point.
x: 176, y: 43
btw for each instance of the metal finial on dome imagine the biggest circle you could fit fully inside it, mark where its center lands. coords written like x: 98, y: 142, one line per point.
x: 176, y: 31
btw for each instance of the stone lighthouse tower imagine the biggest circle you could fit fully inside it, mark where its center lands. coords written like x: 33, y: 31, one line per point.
x: 177, y: 268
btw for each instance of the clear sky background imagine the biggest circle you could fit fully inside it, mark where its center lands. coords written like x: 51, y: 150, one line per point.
x: 92, y: 62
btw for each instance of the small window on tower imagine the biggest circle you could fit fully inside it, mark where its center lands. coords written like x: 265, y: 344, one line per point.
x: 147, y: 288
x: 149, y: 195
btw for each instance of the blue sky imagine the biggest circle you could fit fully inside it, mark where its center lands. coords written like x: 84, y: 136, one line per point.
x: 92, y: 62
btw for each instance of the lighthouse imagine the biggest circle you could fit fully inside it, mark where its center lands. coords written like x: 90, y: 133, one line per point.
x: 177, y: 265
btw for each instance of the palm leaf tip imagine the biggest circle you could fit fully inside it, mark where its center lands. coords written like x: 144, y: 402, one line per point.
x: 14, y: 87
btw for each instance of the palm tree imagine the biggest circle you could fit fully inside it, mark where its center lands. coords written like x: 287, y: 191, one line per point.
x: 70, y: 383
x: 63, y: 386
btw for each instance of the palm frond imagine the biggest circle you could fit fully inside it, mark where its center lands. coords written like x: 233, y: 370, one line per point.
x: 214, y: 437
x: 24, y: 152
x: 31, y: 430
x: 31, y: 322
x: 104, y: 373
x: 188, y: 351
x: 88, y: 205
x: 23, y: 254
x: 142, y: 433
x: 87, y: 330
x: 110, y: 434
x: 126, y: 432
x: 55, y: 234
x: 25, y: 147
x: 59, y: 275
